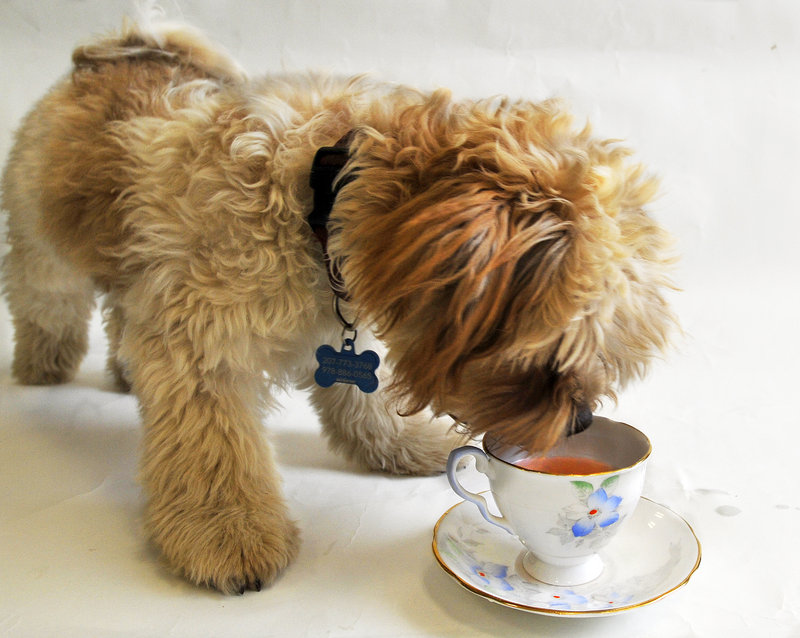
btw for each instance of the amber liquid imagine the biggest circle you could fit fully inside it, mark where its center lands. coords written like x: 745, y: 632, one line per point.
x: 565, y: 465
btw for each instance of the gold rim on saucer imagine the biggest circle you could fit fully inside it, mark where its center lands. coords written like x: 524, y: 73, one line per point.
x: 503, y: 580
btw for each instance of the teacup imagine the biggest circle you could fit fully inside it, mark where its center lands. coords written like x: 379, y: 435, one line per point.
x: 564, y: 505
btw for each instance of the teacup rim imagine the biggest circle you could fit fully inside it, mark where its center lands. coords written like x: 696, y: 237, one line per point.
x: 639, y: 461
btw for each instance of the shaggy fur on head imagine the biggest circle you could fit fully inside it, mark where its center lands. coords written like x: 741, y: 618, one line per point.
x: 502, y: 256
x: 524, y: 277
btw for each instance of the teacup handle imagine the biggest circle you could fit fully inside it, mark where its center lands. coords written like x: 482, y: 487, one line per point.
x: 482, y: 465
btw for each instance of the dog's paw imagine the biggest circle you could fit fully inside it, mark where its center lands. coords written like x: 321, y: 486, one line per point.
x: 227, y: 549
x: 28, y: 374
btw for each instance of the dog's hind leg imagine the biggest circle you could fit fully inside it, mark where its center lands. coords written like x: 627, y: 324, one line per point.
x: 114, y: 323
x: 50, y: 301
x: 50, y: 305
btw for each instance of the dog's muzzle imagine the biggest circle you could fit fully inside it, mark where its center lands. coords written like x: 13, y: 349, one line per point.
x: 583, y: 419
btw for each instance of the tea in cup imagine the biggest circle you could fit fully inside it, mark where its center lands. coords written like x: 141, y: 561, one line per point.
x: 563, y: 505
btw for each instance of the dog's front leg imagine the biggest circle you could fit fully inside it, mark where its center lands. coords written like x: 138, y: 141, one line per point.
x: 369, y: 429
x: 215, y: 508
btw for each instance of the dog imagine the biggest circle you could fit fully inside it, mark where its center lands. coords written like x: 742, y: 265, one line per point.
x: 497, y: 258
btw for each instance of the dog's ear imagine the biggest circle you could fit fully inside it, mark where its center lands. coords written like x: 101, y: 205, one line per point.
x: 450, y: 262
x: 460, y: 279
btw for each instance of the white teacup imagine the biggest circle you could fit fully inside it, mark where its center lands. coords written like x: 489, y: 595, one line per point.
x: 563, y: 519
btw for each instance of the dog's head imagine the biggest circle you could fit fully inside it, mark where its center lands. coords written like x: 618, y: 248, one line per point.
x: 506, y: 260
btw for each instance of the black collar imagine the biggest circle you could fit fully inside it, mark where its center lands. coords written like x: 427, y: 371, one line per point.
x: 328, y: 163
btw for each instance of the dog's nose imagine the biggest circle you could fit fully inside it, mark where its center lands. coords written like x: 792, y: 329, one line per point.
x: 583, y: 419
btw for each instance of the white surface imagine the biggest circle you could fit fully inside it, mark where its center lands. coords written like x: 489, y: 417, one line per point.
x: 709, y: 94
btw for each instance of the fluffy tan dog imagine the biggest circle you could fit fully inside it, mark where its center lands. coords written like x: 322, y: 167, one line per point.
x: 503, y: 258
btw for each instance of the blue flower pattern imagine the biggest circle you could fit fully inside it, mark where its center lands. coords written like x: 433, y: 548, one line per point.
x: 602, y: 512
x: 591, y: 519
x: 567, y: 600
x: 492, y: 575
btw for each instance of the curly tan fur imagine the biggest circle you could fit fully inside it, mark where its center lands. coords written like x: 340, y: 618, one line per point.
x: 521, y: 245
x: 503, y: 257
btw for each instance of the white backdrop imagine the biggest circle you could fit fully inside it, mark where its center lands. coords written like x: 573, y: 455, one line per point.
x: 708, y: 92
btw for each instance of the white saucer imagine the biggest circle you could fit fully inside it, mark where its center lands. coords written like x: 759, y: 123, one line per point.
x: 655, y: 553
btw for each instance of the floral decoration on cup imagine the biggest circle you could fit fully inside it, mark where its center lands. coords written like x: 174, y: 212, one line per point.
x: 588, y: 520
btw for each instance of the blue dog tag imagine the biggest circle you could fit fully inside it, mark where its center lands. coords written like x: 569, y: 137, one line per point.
x: 346, y: 366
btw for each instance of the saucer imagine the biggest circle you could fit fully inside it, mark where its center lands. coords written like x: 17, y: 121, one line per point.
x: 655, y: 553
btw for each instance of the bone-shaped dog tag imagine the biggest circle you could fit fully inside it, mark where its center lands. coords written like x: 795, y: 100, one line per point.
x: 346, y: 366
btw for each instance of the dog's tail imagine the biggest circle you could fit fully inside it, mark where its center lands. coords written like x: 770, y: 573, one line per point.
x: 169, y: 41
